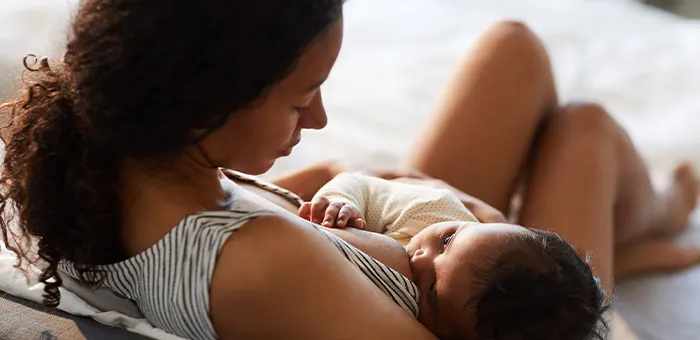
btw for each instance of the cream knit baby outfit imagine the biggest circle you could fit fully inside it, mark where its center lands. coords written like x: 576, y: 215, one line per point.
x: 399, y: 210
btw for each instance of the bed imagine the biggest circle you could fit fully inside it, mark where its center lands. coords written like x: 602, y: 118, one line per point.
x: 641, y: 63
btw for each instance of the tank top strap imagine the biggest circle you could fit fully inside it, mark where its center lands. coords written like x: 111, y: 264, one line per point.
x: 265, y: 185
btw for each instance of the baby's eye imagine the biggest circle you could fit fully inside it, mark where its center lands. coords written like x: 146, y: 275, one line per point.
x: 447, y: 239
x: 445, y: 242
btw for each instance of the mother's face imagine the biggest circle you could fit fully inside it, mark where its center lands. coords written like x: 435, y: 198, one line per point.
x: 253, y: 138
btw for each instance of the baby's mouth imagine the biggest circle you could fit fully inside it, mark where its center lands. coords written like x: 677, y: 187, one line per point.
x: 409, y: 255
x: 410, y: 250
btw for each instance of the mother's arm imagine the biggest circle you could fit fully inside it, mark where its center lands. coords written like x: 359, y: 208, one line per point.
x: 307, y: 181
x: 279, y: 278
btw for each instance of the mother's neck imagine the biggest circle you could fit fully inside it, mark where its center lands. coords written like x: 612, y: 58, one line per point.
x: 178, y: 179
x: 156, y: 196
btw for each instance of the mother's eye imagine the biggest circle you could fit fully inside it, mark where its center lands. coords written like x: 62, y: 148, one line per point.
x: 299, y: 109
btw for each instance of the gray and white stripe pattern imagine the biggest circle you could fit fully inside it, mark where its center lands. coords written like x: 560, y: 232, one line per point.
x: 392, y: 283
x: 170, y: 281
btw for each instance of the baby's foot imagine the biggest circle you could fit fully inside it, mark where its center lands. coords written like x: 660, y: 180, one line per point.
x: 680, y: 198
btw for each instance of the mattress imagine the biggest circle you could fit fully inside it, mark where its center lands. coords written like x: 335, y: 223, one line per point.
x: 642, y: 64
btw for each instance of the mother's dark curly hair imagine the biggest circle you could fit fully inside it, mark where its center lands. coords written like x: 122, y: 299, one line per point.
x: 140, y: 78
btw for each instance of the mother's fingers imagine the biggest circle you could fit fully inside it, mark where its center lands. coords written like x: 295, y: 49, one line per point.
x: 399, y: 173
x: 490, y: 216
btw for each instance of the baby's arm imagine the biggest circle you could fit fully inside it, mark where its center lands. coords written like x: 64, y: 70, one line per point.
x: 339, y: 203
x: 383, y: 206
x: 346, y: 188
x: 336, y: 214
x: 353, y: 197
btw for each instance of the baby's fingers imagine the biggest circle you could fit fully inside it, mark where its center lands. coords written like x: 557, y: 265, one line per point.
x: 332, y: 214
x: 318, y: 207
x: 358, y: 223
x: 346, y: 213
x: 305, y: 211
x: 351, y: 217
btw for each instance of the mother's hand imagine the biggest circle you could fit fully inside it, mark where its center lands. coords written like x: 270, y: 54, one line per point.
x: 390, y: 174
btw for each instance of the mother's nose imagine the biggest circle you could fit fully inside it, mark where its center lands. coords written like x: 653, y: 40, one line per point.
x: 315, y: 115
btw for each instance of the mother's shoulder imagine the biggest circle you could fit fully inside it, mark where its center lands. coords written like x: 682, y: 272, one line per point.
x: 260, y: 264
x: 263, y: 249
x: 280, y: 277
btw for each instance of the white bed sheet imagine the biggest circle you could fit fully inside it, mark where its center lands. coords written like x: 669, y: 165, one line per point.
x: 642, y: 64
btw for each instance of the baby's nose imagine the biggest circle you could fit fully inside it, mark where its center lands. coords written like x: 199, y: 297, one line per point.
x: 418, y: 252
x: 420, y: 260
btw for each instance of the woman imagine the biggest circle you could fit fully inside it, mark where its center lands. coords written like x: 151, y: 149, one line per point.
x: 113, y: 162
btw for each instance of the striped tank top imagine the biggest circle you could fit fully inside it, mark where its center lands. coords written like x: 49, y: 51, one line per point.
x: 170, y: 281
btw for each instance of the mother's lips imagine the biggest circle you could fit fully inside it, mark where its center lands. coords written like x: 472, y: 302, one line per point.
x: 288, y: 150
x: 295, y: 142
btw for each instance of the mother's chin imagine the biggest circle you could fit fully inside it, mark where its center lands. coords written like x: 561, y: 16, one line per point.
x: 381, y: 247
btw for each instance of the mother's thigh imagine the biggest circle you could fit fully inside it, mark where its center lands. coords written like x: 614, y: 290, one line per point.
x: 480, y: 136
x: 574, y: 183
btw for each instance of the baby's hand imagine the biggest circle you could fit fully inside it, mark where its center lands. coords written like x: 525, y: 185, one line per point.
x: 335, y: 214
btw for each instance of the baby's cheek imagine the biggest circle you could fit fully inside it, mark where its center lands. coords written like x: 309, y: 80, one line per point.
x: 427, y: 319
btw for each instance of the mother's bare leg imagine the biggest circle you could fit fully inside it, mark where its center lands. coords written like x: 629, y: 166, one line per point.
x: 480, y: 136
x: 589, y: 185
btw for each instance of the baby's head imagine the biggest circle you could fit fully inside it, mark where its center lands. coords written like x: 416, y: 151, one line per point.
x: 502, y: 281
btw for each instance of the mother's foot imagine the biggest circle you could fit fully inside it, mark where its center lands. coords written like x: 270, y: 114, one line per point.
x: 653, y: 256
x: 680, y: 199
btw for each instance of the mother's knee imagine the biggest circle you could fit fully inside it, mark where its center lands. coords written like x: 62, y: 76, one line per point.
x: 582, y: 136
x: 515, y: 36
x: 514, y: 47
x: 511, y: 27
x: 587, y: 117
x: 582, y: 121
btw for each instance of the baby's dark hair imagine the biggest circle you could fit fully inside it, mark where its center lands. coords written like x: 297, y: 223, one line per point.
x: 540, y: 289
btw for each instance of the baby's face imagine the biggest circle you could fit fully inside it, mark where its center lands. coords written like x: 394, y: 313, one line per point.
x: 443, y: 258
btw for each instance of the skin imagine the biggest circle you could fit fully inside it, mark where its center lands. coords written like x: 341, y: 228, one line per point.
x: 273, y: 124
x: 582, y: 175
x: 250, y: 141
x: 259, y: 296
x: 441, y: 260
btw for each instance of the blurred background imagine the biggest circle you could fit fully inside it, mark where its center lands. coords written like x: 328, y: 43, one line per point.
x: 641, y: 59
x: 687, y: 8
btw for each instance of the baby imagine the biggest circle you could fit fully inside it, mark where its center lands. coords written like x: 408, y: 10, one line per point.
x: 476, y: 280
